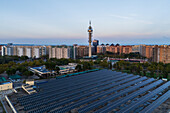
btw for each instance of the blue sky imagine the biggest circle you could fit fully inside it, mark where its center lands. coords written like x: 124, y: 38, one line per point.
x: 66, y: 21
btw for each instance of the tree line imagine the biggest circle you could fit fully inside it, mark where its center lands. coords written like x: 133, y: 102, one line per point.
x: 156, y: 70
x: 51, y: 64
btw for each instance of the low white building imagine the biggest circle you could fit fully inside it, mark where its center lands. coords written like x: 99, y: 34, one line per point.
x: 30, y: 82
x: 67, y: 68
x: 6, y: 86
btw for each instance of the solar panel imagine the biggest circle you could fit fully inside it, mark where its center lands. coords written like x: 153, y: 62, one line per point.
x: 55, y: 105
x: 117, y: 103
x: 111, y: 97
x: 83, y: 81
x: 156, y: 103
x: 92, y: 89
x: 81, y: 91
x: 75, y: 77
x: 145, y: 98
x: 27, y: 97
x: 58, y: 93
x: 81, y: 102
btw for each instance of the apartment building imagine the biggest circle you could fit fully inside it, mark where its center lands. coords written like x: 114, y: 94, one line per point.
x: 114, y: 49
x: 144, y: 50
x: 82, y: 51
x: 0, y: 50
x: 161, y: 54
x: 125, y: 49
x: 61, y: 52
x: 101, y: 49
x: 148, y: 51
x: 30, y: 51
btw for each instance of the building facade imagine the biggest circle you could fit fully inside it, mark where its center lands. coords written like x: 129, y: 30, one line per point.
x: 95, y: 44
x: 161, y: 54
x: 114, y: 49
x: 81, y: 51
x: 101, y: 49
x: 0, y: 50
x: 61, y: 52
x: 30, y: 51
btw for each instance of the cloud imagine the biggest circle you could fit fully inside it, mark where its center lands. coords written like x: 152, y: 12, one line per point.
x: 132, y: 17
x: 123, y: 17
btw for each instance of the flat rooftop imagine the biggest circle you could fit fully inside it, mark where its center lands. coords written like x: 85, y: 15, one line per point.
x: 96, y: 92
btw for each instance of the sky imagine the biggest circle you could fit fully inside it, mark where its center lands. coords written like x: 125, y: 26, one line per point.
x: 58, y: 22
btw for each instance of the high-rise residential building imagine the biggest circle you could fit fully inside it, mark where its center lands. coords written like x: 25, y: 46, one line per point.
x: 82, y: 51
x: 36, y: 52
x: 95, y: 44
x: 30, y: 51
x: 75, y: 51
x: 101, y: 49
x: 61, y: 52
x: 7, y: 50
x: 43, y: 50
x: 161, y: 54
x: 125, y: 49
x: 112, y: 49
x: 20, y: 51
x: 148, y: 51
x: 144, y: 50
x: 0, y: 50
x: 90, y: 31
x: 116, y: 49
x: 3, y: 50
x: 136, y: 48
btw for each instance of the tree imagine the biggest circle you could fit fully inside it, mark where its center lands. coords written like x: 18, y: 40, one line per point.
x: 86, y: 65
x: 44, y: 57
x: 104, y: 64
x: 78, y: 67
x: 37, y: 63
x: 110, y: 65
x: 11, y: 71
x: 24, y: 57
x: 144, y: 72
x: 57, y: 69
x: 50, y: 66
x: 2, y: 69
x: 28, y: 73
x: 139, y: 68
x: 22, y: 69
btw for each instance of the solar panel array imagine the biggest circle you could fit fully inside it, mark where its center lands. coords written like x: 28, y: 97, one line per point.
x: 100, y: 91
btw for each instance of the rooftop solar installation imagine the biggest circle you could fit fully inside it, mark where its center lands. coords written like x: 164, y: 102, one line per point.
x: 98, y: 91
